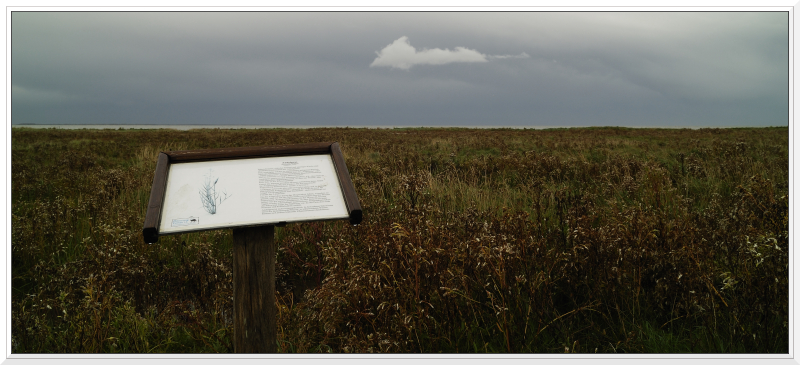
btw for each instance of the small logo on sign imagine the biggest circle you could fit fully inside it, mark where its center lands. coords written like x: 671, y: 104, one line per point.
x: 180, y: 222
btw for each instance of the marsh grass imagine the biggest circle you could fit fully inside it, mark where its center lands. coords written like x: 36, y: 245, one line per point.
x: 576, y: 240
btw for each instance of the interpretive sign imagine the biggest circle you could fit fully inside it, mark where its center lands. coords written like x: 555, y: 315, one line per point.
x: 240, y: 187
x: 269, y: 190
x: 251, y: 190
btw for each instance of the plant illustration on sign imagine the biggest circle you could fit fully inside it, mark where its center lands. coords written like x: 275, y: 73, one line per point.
x: 209, y: 196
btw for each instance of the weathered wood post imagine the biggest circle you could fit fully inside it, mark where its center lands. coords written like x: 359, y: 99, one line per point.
x: 254, y: 312
x: 272, y: 186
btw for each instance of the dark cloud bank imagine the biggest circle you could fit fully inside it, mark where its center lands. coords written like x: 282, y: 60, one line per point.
x: 677, y: 69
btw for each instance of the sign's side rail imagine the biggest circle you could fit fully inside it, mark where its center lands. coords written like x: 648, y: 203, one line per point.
x: 348, y: 190
x: 152, y: 218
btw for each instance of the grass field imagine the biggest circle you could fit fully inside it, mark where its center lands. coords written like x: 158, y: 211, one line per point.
x: 549, y: 241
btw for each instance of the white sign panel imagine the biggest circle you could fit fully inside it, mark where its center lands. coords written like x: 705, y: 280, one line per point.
x: 268, y: 190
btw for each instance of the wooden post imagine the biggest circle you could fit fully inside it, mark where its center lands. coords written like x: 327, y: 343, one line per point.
x: 254, y: 310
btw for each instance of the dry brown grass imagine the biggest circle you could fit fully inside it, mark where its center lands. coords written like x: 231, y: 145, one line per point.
x: 578, y: 240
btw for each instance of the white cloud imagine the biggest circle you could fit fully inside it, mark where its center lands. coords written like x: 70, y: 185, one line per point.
x: 504, y: 56
x: 400, y: 54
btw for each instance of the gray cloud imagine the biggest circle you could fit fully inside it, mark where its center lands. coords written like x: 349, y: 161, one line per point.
x: 530, y: 68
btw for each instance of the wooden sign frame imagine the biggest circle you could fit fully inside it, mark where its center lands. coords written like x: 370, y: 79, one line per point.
x: 155, y: 207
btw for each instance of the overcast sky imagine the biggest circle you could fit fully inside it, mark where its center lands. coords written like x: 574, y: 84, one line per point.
x: 676, y: 69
